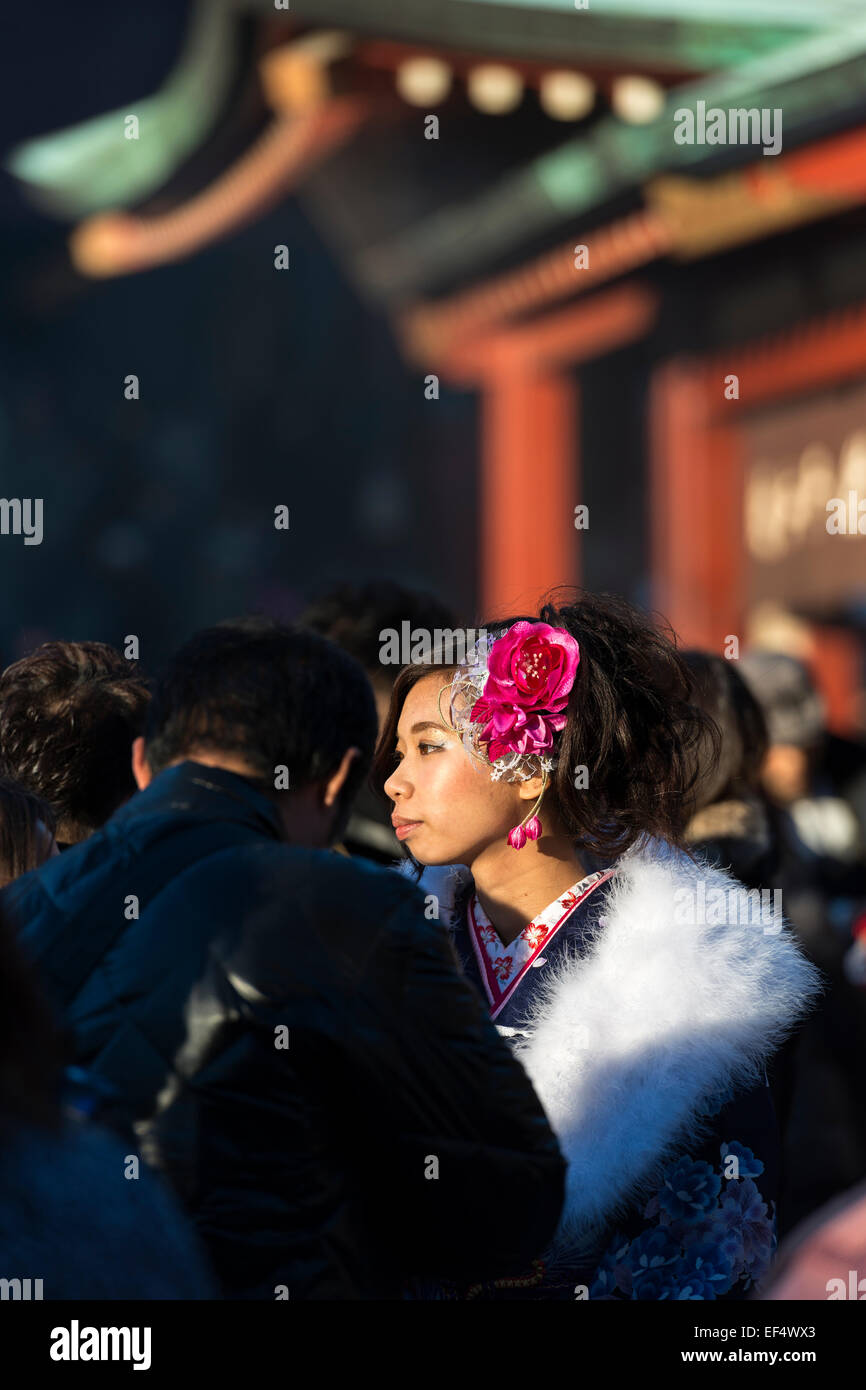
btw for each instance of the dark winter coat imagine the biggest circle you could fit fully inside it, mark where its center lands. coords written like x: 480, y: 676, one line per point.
x: 78, y: 1217
x: 295, y: 1047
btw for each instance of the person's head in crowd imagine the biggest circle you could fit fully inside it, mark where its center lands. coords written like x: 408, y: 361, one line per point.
x: 356, y: 617
x: 283, y: 707
x: 824, y: 1256
x: 729, y: 821
x: 625, y: 751
x: 794, y: 712
x: 69, y: 713
x: 54, y: 1164
x: 26, y: 831
x: 730, y: 769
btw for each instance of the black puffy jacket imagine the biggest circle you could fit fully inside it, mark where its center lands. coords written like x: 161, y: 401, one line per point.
x: 295, y: 1046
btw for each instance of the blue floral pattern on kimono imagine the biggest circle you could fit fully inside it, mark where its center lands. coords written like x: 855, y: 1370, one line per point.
x: 707, y: 1232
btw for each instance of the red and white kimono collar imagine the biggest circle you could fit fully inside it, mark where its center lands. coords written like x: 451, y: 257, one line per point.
x: 503, y: 967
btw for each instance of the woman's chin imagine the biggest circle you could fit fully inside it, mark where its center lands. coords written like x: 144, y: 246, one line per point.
x: 429, y: 861
x: 429, y: 855
x: 441, y: 860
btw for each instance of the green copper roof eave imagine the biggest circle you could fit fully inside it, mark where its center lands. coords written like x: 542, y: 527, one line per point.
x: 827, y: 73
x: 813, y: 77
x: 570, y: 35
x: 93, y: 165
x: 754, y: 12
x: 806, y: 15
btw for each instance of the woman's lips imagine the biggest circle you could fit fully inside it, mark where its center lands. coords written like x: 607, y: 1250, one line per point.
x: 406, y: 828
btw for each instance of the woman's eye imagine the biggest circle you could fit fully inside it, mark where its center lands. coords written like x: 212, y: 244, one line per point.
x: 424, y: 747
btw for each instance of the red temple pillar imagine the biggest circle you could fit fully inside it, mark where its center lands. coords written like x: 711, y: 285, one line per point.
x: 529, y: 486
x: 696, y: 509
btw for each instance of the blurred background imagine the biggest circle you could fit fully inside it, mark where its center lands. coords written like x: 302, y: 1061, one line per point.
x: 507, y: 293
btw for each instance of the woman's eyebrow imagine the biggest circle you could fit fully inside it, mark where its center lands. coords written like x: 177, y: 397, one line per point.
x: 427, y: 724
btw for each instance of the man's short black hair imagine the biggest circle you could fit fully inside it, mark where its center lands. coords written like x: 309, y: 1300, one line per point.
x: 275, y: 695
x: 69, y: 713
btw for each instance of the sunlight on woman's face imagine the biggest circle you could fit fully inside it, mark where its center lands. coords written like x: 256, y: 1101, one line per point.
x: 454, y: 807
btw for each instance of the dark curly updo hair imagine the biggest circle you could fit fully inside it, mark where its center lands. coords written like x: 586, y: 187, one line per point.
x: 630, y: 723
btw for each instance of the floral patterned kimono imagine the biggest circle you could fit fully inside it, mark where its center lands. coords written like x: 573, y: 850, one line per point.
x: 671, y: 1139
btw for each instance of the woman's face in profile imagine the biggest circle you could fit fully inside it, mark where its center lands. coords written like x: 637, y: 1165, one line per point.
x: 447, y: 809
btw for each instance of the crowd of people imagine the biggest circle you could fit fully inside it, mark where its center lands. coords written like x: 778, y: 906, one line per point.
x: 326, y: 978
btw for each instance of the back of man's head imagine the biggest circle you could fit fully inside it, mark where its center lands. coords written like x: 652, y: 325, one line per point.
x: 69, y: 713
x: 270, y: 696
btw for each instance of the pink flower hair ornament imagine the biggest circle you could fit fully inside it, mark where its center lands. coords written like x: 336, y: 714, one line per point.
x: 508, y: 701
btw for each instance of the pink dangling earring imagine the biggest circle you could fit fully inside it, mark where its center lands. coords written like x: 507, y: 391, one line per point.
x: 530, y: 827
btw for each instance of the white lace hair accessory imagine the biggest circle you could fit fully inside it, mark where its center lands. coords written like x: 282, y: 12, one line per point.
x: 465, y: 690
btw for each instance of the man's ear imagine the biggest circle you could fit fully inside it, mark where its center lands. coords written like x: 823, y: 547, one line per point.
x: 335, y: 783
x: 141, y: 769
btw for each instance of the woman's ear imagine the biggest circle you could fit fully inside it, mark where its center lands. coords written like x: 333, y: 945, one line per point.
x: 530, y: 790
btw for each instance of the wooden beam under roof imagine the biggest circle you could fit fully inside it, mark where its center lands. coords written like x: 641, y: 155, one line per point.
x: 685, y: 218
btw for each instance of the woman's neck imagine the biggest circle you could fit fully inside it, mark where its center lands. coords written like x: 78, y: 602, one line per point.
x: 514, y: 886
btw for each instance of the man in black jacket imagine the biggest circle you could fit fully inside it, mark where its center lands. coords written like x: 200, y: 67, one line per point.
x: 289, y: 1034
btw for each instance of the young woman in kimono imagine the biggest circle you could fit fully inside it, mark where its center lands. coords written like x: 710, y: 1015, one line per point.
x: 553, y: 772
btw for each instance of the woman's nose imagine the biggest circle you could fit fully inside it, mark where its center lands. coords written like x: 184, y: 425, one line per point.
x: 395, y: 786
